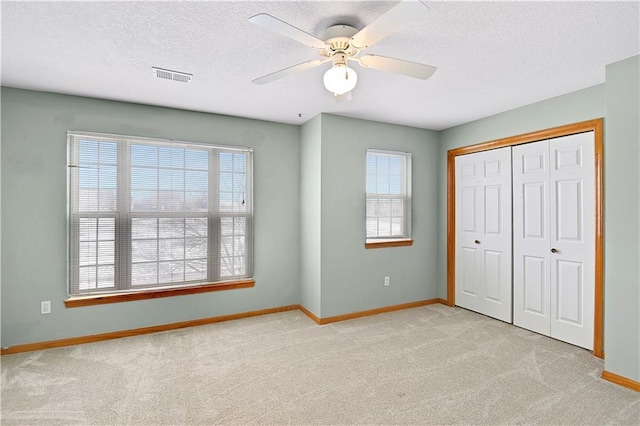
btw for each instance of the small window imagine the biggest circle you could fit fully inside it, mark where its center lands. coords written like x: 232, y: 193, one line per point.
x: 388, y: 211
x: 149, y: 214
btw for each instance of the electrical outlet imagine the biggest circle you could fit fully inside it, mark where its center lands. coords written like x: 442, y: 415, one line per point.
x: 45, y: 307
x: 386, y: 281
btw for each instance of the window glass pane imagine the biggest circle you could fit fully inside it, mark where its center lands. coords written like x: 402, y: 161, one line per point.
x: 88, y: 251
x: 195, y: 248
x: 226, y: 201
x: 239, y: 163
x: 372, y: 180
x: 171, y: 180
x: 225, y: 162
x: 107, y: 176
x: 196, y: 181
x: 87, y: 277
x: 105, y: 276
x: 144, y: 201
x: 108, y: 152
x: 144, y: 228
x: 97, y: 176
x: 382, y: 175
x: 172, y: 227
x: 88, y: 183
x: 397, y: 207
x: 233, y: 182
x: 238, y: 246
x: 384, y: 208
x: 196, y: 201
x: 88, y: 228
x: 171, y: 201
x: 172, y: 157
x: 195, y: 270
x: 238, y: 266
x: 144, y: 273
x: 226, y: 246
x: 171, y: 249
x: 144, y: 155
x: 372, y: 227
x: 197, y: 160
x: 171, y: 272
x: 196, y: 227
x: 226, y: 182
x: 226, y: 266
x: 238, y: 201
x: 107, y: 201
x: 226, y: 226
x: 239, y: 225
x: 106, y: 228
x: 239, y: 182
x: 88, y: 152
x: 144, y: 250
x: 106, y: 252
x: 396, y: 226
x: 144, y: 178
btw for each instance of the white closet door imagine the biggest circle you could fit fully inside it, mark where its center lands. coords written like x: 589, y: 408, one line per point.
x: 554, y: 237
x: 531, y: 239
x: 483, y: 233
x: 573, y: 238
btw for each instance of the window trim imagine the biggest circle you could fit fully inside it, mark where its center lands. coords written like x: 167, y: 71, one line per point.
x: 143, y: 294
x: 118, y: 294
x: 374, y: 244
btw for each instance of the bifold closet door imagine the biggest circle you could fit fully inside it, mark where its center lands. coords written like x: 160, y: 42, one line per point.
x: 554, y: 237
x: 483, y: 233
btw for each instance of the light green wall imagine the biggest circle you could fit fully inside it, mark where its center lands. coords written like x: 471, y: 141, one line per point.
x: 310, y: 202
x: 573, y: 107
x: 622, y: 219
x: 352, y: 277
x: 34, y: 173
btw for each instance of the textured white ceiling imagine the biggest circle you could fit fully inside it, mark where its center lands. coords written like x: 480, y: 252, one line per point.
x: 491, y: 56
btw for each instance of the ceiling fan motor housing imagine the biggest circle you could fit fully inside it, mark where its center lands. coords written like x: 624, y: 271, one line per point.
x: 338, y: 40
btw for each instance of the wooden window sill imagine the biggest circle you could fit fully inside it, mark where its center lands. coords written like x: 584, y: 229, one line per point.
x: 100, y: 299
x: 383, y: 244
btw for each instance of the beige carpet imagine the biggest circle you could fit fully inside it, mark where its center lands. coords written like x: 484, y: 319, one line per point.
x: 429, y: 365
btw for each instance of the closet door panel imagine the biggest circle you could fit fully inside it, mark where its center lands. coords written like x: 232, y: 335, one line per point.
x: 469, y: 217
x: 531, y: 239
x: 496, y: 235
x: 573, y: 238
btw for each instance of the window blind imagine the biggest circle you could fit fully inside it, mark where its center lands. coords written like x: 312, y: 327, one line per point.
x: 146, y: 213
x: 388, y: 204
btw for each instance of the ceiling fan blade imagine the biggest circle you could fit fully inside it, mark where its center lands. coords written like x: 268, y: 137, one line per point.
x: 398, y: 66
x: 404, y: 13
x: 277, y: 26
x: 288, y: 71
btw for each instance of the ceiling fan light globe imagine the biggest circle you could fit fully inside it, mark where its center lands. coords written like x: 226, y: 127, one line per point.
x: 340, y: 79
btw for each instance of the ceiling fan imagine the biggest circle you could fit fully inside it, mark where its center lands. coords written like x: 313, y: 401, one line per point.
x: 342, y: 44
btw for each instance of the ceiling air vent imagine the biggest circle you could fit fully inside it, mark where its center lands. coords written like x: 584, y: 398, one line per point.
x: 182, y: 77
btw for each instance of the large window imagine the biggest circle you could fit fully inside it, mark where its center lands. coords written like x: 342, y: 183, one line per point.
x: 147, y: 213
x: 388, y: 211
